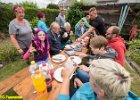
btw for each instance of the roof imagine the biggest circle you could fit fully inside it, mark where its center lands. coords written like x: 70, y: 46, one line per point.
x: 69, y: 2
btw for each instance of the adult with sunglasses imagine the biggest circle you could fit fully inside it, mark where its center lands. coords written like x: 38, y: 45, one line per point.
x: 117, y: 43
x: 20, y: 30
x: 97, y: 24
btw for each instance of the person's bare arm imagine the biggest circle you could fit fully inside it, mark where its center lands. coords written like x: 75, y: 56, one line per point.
x: 15, y: 43
x: 77, y: 82
x: 66, y: 81
x: 65, y: 86
x: 66, y: 74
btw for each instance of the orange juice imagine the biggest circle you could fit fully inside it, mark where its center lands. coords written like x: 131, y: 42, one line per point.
x: 38, y: 80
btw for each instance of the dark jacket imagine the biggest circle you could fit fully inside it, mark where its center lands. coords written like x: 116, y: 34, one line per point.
x: 66, y: 39
x: 55, y: 42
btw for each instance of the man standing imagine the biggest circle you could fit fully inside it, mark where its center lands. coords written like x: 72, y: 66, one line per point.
x: 61, y: 18
x: 116, y: 42
x: 96, y: 23
x: 54, y: 38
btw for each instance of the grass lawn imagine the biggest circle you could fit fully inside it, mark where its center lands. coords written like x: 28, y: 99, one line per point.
x: 11, y: 68
x: 11, y: 92
x: 135, y: 86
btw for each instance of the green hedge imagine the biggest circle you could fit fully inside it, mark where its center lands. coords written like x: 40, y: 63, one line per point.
x: 8, y: 52
x: 30, y: 13
x: 5, y: 17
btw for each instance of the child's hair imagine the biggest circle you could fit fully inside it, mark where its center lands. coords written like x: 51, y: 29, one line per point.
x: 38, y: 41
x: 98, y: 42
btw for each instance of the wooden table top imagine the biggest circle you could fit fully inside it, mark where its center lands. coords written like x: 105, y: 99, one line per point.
x: 25, y: 88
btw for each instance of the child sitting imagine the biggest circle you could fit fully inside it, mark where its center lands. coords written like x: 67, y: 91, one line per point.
x: 40, y: 47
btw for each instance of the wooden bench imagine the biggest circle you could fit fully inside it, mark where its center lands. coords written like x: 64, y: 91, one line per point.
x: 13, y: 80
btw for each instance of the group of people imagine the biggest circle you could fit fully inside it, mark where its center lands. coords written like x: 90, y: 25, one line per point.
x: 46, y: 41
x: 105, y: 78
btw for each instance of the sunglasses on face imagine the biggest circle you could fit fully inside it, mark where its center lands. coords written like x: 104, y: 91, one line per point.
x: 107, y: 33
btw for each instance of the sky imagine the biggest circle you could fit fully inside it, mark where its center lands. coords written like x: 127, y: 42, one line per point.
x: 40, y: 3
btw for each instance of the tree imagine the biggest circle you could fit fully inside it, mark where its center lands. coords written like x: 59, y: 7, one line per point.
x: 52, y: 6
x: 75, y: 13
x: 29, y: 4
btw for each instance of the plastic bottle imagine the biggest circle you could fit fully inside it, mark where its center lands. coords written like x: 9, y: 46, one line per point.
x: 46, y: 71
x: 48, y: 81
x: 38, y: 80
x: 33, y: 67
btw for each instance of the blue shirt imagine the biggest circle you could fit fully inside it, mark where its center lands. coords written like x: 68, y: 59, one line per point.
x: 41, y: 24
x: 87, y: 93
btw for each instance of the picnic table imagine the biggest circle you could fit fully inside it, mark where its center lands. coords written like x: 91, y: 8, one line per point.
x: 25, y: 88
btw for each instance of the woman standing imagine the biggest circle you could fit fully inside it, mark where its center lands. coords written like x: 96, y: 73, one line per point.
x: 41, y: 22
x: 20, y: 30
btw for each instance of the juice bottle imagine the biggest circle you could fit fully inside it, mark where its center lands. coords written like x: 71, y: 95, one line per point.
x: 38, y: 80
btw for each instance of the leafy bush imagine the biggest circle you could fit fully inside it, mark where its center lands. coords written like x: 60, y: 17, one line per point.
x: 134, y: 50
x: 6, y: 16
x: 8, y: 52
x: 33, y: 22
x: 75, y: 14
x: 53, y: 6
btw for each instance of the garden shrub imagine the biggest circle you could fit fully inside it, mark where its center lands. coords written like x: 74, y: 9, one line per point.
x: 134, y: 50
x: 8, y: 52
x: 34, y: 22
x: 75, y: 14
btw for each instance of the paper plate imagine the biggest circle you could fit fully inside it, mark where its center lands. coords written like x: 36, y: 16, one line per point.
x: 58, y: 58
x: 76, y: 59
x: 70, y: 52
x: 57, y: 74
x: 67, y: 46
